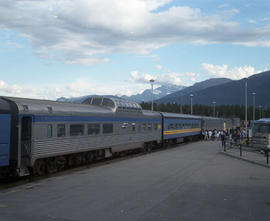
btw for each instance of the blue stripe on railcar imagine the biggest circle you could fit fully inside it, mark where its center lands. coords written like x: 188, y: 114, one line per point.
x: 4, y: 139
x: 46, y: 118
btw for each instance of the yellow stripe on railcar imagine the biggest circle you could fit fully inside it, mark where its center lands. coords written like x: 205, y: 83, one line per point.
x: 169, y: 132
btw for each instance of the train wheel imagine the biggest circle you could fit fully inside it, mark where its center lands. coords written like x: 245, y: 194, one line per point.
x: 75, y: 160
x: 88, y: 157
x: 60, y: 163
x: 40, y: 167
x: 147, y: 147
x: 100, y: 154
x: 51, y: 165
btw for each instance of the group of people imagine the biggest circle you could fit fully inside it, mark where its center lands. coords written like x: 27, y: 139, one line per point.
x: 214, y: 134
x: 234, y: 135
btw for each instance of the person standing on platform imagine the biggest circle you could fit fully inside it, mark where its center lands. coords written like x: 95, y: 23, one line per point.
x: 223, y: 139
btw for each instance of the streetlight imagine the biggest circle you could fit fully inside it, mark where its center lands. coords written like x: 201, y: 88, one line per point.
x: 260, y: 109
x: 214, y: 106
x: 181, y: 109
x: 254, y: 117
x: 246, y: 104
x: 152, y: 86
x: 191, y: 96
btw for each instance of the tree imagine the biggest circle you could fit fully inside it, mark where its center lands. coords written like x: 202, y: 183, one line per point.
x: 225, y: 111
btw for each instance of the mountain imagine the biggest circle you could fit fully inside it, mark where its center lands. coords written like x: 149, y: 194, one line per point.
x: 144, y: 96
x: 230, y: 93
x: 175, y: 97
x: 158, y: 93
x: 81, y: 99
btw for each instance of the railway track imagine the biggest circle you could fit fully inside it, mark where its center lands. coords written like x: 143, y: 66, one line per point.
x: 17, y: 181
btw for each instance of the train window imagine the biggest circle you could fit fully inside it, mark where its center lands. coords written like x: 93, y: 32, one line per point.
x: 96, y: 101
x: 93, y: 128
x: 149, y: 126
x: 25, y: 107
x: 124, y: 125
x: 155, y: 126
x: 108, y: 102
x: 49, y: 130
x: 144, y: 126
x: 61, y: 130
x: 133, y: 127
x: 76, y: 129
x: 50, y: 110
x: 107, y: 128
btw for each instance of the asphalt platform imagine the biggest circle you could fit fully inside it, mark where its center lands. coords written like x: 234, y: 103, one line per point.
x: 195, y: 181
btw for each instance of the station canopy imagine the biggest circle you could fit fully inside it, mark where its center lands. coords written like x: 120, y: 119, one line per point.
x: 116, y: 104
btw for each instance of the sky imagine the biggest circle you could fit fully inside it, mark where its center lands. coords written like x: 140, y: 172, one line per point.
x: 70, y: 48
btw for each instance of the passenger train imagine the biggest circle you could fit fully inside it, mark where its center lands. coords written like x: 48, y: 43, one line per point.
x: 41, y: 136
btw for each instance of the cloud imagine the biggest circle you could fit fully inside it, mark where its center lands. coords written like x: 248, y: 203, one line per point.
x: 158, y: 67
x: 170, y: 77
x: 79, y: 87
x: 84, y: 32
x: 235, y: 73
x: 251, y: 21
x: 266, y: 19
x: 4, y: 87
x: 223, y: 6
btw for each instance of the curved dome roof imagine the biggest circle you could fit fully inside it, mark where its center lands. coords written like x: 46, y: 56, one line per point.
x: 117, y: 104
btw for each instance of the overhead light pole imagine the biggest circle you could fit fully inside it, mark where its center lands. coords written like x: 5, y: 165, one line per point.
x: 214, y: 107
x: 260, y: 109
x: 254, y: 117
x: 191, y: 106
x: 246, y: 105
x: 152, y: 93
x: 180, y: 100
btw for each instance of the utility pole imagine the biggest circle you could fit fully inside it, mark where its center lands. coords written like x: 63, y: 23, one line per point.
x: 254, y: 117
x: 152, y: 93
x: 260, y: 110
x: 191, y: 106
x: 180, y: 100
x: 214, y: 106
x: 246, y: 104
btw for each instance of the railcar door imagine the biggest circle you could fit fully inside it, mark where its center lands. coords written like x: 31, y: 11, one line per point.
x: 4, y: 139
x: 26, y: 140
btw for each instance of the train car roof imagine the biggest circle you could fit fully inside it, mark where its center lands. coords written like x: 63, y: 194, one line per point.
x: 35, y: 106
x: 212, y: 118
x: 263, y: 120
x: 4, y: 106
x: 174, y: 115
x: 151, y: 113
x: 44, y: 107
x: 117, y: 104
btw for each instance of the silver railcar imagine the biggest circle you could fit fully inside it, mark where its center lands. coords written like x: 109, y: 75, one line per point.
x: 211, y: 123
x: 53, y: 134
